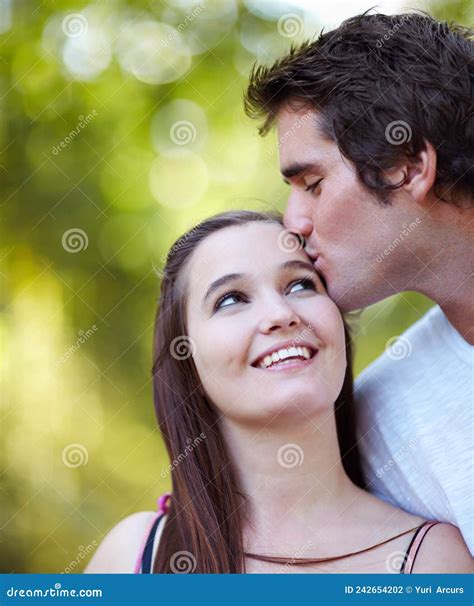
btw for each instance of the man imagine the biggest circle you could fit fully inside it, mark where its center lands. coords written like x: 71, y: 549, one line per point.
x: 376, y: 139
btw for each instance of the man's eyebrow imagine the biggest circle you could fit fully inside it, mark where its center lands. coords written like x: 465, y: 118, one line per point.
x: 298, y: 168
x: 220, y: 282
x: 292, y: 264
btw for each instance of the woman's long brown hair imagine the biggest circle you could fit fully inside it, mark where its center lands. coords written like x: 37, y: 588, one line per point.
x: 205, y: 517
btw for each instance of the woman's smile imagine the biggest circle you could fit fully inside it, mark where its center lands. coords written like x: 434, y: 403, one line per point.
x: 286, y: 356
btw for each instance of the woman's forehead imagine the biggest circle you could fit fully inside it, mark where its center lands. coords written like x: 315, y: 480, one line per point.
x: 249, y: 248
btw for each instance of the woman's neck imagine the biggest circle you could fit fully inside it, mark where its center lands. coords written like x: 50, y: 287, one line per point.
x: 291, y: 475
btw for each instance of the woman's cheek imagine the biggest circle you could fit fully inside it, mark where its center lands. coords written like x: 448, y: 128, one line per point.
x: 217, y: 349
x: 327, y: 322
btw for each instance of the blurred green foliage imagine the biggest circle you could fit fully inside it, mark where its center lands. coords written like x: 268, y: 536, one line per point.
x: 123, y: 122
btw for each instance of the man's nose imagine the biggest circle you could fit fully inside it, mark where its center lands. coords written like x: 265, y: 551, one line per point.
x: 297, y: 216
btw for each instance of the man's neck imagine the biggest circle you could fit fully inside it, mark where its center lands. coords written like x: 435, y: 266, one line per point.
x: 448, y: 279
x: 452, y: 288
x: 460, y: 315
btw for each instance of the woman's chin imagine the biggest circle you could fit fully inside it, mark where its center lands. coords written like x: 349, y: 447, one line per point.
x: 295, y: 409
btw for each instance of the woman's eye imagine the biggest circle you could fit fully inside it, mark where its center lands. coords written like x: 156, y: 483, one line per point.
x: 306, y: 284
x: 228, y: 299
x: 312, y: 186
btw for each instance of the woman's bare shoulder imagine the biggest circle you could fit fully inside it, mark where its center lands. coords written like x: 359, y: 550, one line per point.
x: 443, y: 550
x: 118, y: 551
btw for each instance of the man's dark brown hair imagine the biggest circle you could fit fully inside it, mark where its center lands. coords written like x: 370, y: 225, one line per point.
x: 382, y: 85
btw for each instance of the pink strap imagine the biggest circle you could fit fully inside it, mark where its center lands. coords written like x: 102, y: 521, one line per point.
x: 163, y: 502
x: 163, y: 507
x: 415, y: 546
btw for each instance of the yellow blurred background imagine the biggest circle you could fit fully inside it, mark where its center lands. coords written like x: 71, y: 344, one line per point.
x: 122, y: 126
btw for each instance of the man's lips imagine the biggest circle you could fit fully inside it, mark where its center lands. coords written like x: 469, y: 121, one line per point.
x: 315, y: 258
x: 312, y: 252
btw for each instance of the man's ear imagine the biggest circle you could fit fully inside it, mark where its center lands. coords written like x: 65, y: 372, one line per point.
x: 418, y: 174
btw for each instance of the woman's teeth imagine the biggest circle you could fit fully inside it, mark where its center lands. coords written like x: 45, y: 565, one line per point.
x: 282, y: 355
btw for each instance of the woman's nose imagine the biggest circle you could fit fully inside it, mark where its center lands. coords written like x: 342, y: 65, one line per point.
x: 278, y: 316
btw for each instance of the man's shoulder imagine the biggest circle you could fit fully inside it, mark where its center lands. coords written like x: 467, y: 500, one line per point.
x: 399, y: 359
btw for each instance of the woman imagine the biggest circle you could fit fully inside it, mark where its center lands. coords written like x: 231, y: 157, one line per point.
x: 253, y: 395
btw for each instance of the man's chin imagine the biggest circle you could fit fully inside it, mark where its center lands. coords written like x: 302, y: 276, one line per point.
x: 341, y: 297
x: 349, y: 299
x: 344, y: 296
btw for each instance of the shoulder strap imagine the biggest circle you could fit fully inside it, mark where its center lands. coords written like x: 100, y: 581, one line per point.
x: 148, y: 549
x: 144, y: 560
x: 413, y: 548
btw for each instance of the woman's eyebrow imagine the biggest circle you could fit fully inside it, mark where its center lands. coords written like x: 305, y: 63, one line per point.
x: 292, y: 264
x: 297, y: 264
x: 220, y: 282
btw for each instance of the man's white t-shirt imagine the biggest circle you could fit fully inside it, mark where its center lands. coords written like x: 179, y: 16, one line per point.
x: 415, y: 408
